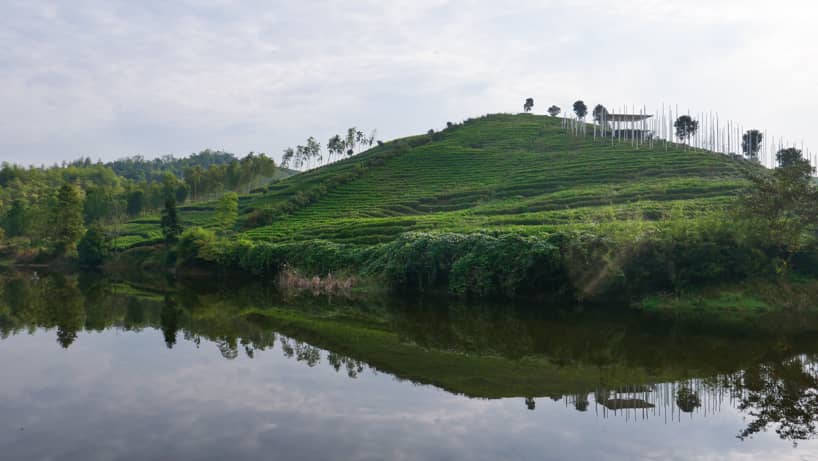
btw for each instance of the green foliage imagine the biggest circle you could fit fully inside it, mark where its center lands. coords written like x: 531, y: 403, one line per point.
x: 137, y: 168
x: 686, y: 127
x: 501, y: 205
x: 751, y: 142
x: 227, y: 211
x: 529, y: 104
x: 580, y: 109
x: 27, y: 195
x: 194, y: 244
x: 792, y: 158
x: 477, y: 264
x: 16, y: 220
x: 67, y: 223
x: 781, y: 208
x: 94, y: 247
x: 135, y: 202
x: 170, y: 221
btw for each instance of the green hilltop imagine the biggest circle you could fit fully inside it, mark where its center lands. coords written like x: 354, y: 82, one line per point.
x: 520, y: 174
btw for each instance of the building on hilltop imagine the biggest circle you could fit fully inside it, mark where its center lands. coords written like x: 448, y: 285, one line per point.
x: 627, y: 125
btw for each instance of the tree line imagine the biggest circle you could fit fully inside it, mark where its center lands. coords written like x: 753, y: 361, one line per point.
x: 50, y: 208
x: 338, y: 146
x: 685, y: 126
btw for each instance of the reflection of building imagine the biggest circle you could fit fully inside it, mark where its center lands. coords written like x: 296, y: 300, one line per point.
x: 625, y: 404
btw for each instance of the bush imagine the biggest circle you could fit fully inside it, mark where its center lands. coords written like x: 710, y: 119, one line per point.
x: 194, y: 244
x: 94, y: 247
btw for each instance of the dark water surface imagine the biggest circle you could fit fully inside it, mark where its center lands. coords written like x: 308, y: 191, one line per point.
x: 101, y: 370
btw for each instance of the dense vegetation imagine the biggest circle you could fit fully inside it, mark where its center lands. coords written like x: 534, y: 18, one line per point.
x: 47, y: 210
x: 510, y: 205
x: 507, y: 205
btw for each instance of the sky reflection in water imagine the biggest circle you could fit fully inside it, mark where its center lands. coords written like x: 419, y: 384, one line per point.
x: 116, y: 394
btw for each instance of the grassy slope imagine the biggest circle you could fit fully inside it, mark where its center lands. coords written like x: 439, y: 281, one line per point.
x: 518, y: 173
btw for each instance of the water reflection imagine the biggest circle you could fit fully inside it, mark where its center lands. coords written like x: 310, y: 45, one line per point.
x: 609, y: 363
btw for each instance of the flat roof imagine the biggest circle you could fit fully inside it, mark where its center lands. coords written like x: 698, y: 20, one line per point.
x: 627, y: 117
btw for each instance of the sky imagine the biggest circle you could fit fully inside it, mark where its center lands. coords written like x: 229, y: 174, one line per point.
x: 108, y: 79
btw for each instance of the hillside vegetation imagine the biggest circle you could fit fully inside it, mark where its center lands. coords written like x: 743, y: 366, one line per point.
x: 498, y: 173
x: 511, y: 205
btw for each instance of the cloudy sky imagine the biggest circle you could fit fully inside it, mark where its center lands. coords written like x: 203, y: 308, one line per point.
x: 113, y: 78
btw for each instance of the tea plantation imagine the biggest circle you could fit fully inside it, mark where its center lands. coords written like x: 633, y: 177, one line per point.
x: 506, y: 173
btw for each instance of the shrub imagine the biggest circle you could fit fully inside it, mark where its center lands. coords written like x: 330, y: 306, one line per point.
x: 94, y: 247
x: 194, y: 244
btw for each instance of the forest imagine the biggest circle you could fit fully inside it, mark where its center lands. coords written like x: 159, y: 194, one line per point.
x: 46, y: 210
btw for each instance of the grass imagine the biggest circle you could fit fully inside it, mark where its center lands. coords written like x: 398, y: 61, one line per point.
x: 795, y: 293
x: 503, y: 173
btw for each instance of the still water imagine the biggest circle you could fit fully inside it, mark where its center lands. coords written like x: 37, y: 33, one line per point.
x: 94, y: 369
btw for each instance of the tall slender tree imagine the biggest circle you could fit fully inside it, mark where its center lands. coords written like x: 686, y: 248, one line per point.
x: 335, y: 146
x: 227, y: 211
x: 528, y: 105
x: 171, y: 229
x: 67, y: 224
x: 351, y: 140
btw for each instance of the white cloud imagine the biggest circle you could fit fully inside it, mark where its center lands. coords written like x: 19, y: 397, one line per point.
x: 117, y: 78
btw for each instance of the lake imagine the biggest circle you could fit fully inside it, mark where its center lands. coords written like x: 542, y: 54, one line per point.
x: 103, y: 369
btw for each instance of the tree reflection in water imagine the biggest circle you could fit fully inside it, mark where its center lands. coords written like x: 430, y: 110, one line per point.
x: 781, y: 394
x: 779, y: 391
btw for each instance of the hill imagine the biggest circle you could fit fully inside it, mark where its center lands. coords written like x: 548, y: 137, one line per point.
x: 507, y: 205
x: 498, y: 173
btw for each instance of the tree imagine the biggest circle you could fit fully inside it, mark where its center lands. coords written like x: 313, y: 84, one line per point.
x: 181, y: 192
x: 600, y: 113
x: 686, y: 127
x: 790, y: 159
x: 227, y: 211
x: 135, y: 202
x: 529, y: 104
x: 350, y: 141
x: 170, y: 221
x: 16, y: 220
x: 94, y: 247
x: 751, y: 144
x: 169, y: 321
x: 335, y: 146
x: 67, y: 225
x: 780, y: 207
x: 554, y: 111
x: 580, y: 109
x: 287, y: 157
x: 361, y: 138
x: 313, y: 150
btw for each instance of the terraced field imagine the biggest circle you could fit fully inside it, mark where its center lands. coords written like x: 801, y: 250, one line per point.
x: 519, y: 173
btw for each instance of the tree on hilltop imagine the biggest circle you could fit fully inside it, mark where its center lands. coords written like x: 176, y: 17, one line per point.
x: 751, y: 144
x: 529, y: 104
x: 791, y: 158
x: 580, y: 109
x: 686, y: 127
x: 336, y: 146
x: 600, y: 113
x: 554, y: 111
x: 781, y: 206
x: 351, y: 141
